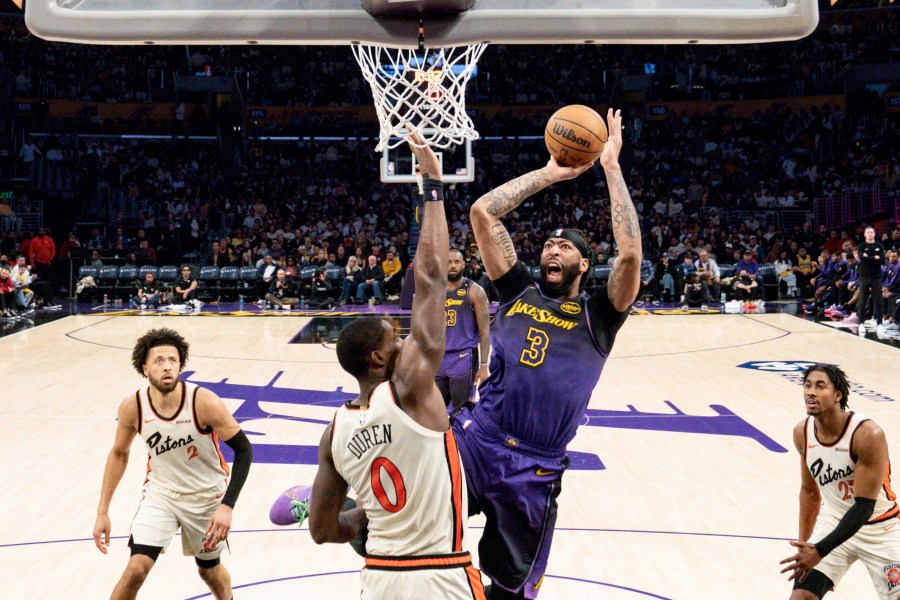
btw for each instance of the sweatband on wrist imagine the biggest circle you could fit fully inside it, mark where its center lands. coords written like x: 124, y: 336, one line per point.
x: 858, y: 515
x: 432, y: 190
x: 243, y: 456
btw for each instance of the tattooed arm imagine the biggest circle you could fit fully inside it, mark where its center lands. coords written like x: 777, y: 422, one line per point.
x: 494, y: 242
x: 625, y: 278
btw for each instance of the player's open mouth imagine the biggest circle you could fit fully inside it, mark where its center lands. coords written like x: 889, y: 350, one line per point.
x: 554, y: 271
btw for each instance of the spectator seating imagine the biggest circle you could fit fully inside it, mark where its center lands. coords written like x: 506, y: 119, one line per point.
x: 142, y: 272
x: 128, y: 280
x: 107, y: 279
x: 208, y: 283
x: 229, y: 282
x: 768, y: 282
x: 168, y: 274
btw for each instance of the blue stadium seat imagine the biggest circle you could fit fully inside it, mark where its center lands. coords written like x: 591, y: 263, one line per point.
x: 168, y: 274
x: 107, y: 276
x: 306, y: 273
x: 601, y: 272
x: 142, y: 272
x: 208, y: 282
x: 228, y: 281
x: 726, y: 271
x: 768, y: 281
x: 87, y: 271
x: 249, y: 274
x: 334, y: 273
x: 128, y: 279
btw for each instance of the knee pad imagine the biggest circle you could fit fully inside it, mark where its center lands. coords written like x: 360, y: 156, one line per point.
x: 816, y: 583
x: 205, y: 563
x: 151, y: 552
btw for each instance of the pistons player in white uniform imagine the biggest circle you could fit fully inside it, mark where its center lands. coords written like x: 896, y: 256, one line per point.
x: 848, y: 511
x: 187, y: 477
x: 393, y: 444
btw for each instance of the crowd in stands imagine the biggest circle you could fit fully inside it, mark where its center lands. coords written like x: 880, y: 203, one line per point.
x: 321, y: 204
x: 317, y: 75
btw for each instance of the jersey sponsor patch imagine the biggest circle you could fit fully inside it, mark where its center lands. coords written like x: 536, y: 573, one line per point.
x: 461, y: 292
x: 572, y: 308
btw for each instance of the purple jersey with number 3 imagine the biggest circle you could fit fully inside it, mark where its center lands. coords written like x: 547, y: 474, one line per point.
x: 544, y: 367
x: 462, y: 328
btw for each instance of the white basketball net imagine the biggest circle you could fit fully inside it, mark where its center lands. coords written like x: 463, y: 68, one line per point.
x: 423, y: 89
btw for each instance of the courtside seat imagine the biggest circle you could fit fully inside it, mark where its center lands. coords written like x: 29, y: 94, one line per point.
x: 168, y: 274
x: 142, y: 272
x: 334, y: 273
x: 208, y: 282
x: 768, y: 282
x: 107, y: 277
x: 229, y: 280
x: 128, y: 279
x: 87, y: 271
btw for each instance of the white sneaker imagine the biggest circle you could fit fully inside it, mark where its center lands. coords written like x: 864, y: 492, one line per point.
x: 870, y: 323
x: 704, y: 308
x: 143, y: 307
x: 892, y: 327
x: 862, y: 330
x: 286, y: 307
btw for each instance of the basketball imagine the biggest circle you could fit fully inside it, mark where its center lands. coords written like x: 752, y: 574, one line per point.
x: 575, y: 135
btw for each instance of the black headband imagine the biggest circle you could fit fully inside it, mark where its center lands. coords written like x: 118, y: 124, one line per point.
x: 575, y: 238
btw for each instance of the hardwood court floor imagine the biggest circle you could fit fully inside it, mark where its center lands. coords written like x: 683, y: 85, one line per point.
x: 683, y: 484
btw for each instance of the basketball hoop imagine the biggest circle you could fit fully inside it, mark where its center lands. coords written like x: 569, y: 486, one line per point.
x: 424, y: 88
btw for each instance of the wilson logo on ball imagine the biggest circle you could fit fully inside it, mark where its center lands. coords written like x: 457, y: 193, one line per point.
x: 569, y: 134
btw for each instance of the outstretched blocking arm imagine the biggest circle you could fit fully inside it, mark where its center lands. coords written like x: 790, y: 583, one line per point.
x: 326, y: 521
x: 625, y: 277
x: 115, y: 468
x: 494, y: 242
x: 422, y: 352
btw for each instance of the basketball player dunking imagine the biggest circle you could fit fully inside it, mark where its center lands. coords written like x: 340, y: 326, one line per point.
x: 468, y: 335
x: 393, y: 444
x: 181, y: 424
x: 550, y: 343
x: 847, y: 508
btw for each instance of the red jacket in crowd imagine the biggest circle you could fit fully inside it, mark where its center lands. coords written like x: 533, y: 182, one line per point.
x: 41, y: 250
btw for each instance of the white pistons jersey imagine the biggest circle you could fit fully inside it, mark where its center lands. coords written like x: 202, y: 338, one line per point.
x: 182, y: 458
x: 409, y: 477
x: 833, y: 465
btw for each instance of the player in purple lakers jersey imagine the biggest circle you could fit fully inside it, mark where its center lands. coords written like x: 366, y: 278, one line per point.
x: 468, y: 335
x: 550, y: 343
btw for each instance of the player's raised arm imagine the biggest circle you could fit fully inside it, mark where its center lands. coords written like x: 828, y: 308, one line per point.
x: 494, y: 242
x: 423, y: 350
x: 625, y: 278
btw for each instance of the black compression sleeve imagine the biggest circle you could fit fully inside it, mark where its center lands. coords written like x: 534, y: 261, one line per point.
x: 858, y: 515
x: 243, y: 456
